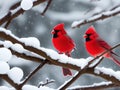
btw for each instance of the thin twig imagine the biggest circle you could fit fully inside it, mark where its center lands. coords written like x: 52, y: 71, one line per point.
x: 101, y: 16
x: 7, y: 17
x: 7, y: 24
x: 98, y: 62
x: 47, y: 6
x: 46, y: 83
x: 9, y: 80
x: 32, y: 73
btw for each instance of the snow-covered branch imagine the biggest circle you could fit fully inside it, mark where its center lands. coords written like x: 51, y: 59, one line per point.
x: 16, y: 10
x: 9, y: 80
x: 100, y: 16
x: 52, y: 57
x: 23, y: 55
x: 95, y: 86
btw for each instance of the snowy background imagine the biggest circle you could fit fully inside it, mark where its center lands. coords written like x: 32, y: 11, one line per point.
x: 32, y: 24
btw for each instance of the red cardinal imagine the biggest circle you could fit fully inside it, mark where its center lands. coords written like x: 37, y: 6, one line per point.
x: 96, y: 46
x: 63, y: 43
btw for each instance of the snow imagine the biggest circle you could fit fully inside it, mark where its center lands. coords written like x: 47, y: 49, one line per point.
x: 4, y: 88
x: 18, y: 47
x: 30, y: 87
x: 4, y: 67
x: 26, y: 4
x: 31, y: 41
x: 107, y: 71
x: 75, y: 23
x: 15, y: 10
x: 3, y: 53
x: 94, y: 17
x: 16, y: 74
x: 8, y: 32
x: 105, y: 13
x: 50, y: 53
x: 45, y: 88
x: 65, y: 59
x: 95, y: 62
x: 93, y: 85
x: 5, y: 6
x: 8, y: 44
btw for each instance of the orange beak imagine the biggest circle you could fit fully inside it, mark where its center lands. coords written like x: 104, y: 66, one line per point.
x: 52, y: 32
x: 85, y: 36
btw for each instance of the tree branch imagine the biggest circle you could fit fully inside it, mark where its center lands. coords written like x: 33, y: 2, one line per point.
x: 101, y: 16
x: 42, y: 52
x: 19, y: 86
x: 32, y: 73
x: 72, y: 80
x: 9, y: 16
x: 95, y: 87
x: 46, y: 8
x: 6, y: 78
x: 24, y: 56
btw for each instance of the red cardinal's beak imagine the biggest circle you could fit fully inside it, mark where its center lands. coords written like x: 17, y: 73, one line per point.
x: 52, y: 32
x: 85, y: 36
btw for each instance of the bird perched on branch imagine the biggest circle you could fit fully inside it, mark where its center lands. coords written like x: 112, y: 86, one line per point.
x: 96, y: 46
x: 63, y: 43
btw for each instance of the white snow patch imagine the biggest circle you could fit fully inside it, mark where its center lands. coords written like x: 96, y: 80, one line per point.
x: 53, y: 54
x: 4, y: 88
x: 15, y: 10
x: 16, y: 74
x: 5, y: 54
x: 93, y: 85
x: 31, y: 41
x: 65, y: 59
x: 18, y: 47
x: 8, y: 32
x: 8, y: 44
x: 95, y: 62
x: 107, y: 71
x: 45, y: 88
x: 106, y: 13
x: 4, y: 68
x: 26, y: 4
x: 31, y: 87
x: 5, y: 6
x: 75, y: 23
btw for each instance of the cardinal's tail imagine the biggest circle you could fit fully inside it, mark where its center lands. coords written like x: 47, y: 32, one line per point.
x: 66, y: 72
x: 115, y: 60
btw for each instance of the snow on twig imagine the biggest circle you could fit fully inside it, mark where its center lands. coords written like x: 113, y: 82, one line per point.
x: 81, y: 65
x: 17, y: 11
x: 101, y: 16
x: 95, y: 86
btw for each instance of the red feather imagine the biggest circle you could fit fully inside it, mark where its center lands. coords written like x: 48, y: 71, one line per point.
x: 96, y: 46
x: 63, y: 43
